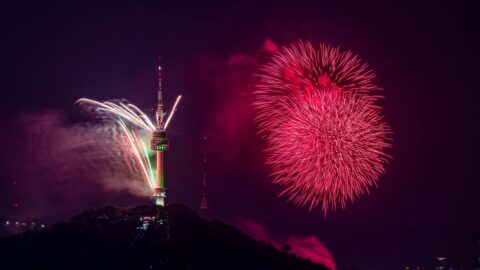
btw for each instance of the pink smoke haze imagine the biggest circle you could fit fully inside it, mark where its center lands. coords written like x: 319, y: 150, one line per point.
x: 66, y: 166
x: 269, y: 46
x: 308, y: 247
x: 255, y: 230
x: 227, y: 81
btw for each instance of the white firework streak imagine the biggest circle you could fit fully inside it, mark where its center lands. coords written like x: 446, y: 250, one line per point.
x: 140, y: 153
x: 128, y: 112
x: 131, y: 114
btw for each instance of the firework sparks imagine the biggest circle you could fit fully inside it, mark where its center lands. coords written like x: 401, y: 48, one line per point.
x: 128, y: 112
x: 172, y: 112
x: 302, y: 68
x: 330, y: 151
x: 141, y: 154
x: 124, y: 113
x: 326, y: 139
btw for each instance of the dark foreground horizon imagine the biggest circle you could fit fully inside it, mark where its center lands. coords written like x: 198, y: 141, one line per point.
x: 116, y: 238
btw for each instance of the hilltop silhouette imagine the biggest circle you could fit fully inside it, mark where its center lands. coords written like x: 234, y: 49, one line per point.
x: 111, y: 238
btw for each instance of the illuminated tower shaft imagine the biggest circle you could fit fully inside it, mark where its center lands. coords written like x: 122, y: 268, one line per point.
x: 160, y: 193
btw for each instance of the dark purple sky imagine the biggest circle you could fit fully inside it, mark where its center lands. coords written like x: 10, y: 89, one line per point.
x: 426, y: 205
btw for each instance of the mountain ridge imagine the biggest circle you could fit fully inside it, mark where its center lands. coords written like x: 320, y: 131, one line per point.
x: 135, y: 238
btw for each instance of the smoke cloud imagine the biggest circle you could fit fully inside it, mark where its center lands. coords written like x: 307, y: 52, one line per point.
x: 56, y: 168
x: 308, y: 247
x: 226, y: 84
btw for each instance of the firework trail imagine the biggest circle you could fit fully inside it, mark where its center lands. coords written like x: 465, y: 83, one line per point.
x: 141, y: 154
x: 326, y: 138
x: 302, y: 68
x: 125, y: 114
x: 128, y: 112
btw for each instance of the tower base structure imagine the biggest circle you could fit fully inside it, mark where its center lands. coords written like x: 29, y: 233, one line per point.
x: 159, y: 197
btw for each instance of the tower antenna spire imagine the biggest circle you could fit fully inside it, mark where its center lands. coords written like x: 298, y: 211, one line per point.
x: 159, y: 97
x: 204, y: 210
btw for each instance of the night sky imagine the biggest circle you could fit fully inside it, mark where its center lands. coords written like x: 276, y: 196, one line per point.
x: 426, y: 205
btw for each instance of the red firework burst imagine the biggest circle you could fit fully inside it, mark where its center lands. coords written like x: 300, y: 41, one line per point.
x: 302, y: 68
x: 331, y: 149
x: 326, y: 138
